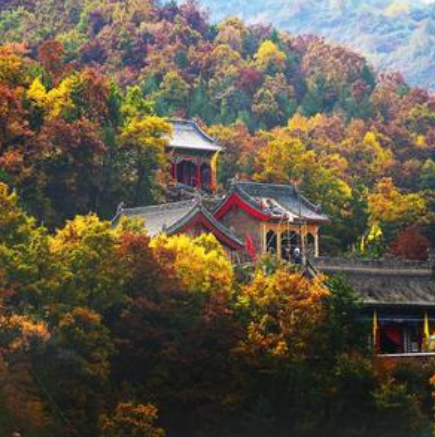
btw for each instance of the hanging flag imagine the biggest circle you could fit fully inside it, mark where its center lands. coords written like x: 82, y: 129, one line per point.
x: 250, y: 248
x: 426, y: 329
x: 362, y: 246
x: 375, y: 232
x: 375, y: 330
x: 213, y: 167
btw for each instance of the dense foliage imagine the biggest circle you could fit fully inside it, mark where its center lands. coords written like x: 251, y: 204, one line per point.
x: 104, y: 332
x: 395, y: 35
x: 83, y: 85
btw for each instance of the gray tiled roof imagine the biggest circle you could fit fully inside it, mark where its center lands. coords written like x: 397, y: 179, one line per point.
x: 171, y: 217
x: 188, y: 135
x: 384, y: 284
x: 277, y: 200
x: 159, y: 218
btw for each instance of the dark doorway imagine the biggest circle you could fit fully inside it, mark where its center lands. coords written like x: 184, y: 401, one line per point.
x: 187, y: 173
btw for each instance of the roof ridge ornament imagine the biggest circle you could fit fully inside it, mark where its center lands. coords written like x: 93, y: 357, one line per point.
x: 198, y: 197
x: 234, y: 180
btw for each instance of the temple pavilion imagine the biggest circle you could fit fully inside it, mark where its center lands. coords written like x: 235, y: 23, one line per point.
x: 192, y: 155
x: 273, y: 218
x: 250, y: 220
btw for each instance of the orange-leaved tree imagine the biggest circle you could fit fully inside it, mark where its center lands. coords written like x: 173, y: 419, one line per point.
x: 131, y: 420
x: 284, y: 310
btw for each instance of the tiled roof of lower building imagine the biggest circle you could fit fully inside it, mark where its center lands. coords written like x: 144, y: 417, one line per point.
x: 161, y: 218
x: 171, y: 218
x: 383, y: 283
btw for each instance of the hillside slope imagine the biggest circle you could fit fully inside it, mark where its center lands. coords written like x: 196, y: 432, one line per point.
x: 393, y: 35
x: 83, y: 85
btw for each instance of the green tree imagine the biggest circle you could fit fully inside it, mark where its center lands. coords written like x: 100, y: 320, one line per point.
x: 427, y: 177
x: 173, y: 94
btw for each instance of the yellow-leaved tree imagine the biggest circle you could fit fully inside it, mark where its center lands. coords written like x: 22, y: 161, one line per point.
x: 144, y: 139
x: 56, y: 102
x: 280, y: 159
x: 387, y: 204
x: 285, y: 308
x: 270, y: 58
x: 285, y: 158
x: 200, y: 263
x: 91, y: 275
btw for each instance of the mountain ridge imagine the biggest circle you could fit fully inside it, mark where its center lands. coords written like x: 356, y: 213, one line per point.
x: 393, y: 35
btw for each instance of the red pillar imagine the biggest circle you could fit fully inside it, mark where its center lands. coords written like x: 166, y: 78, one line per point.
x: 174, y: 171
x: 182, y: 181
x: 198, y: 175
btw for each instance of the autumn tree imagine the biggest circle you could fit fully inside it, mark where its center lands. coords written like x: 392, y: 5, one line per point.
x: 232, y: 32
x: 51, y: 55
x: 72, y: 164
x: 24, y: 262
x: 131, y: 420
x: 91, y: 277
x: 284, y: 158
x: 285, y: 307
x: 279, y: 160
x: 178, y: 324
x: 270, y: 58
x: 410, y: 244
x: 144, y: 141
x: 201, y: 265
x: 387, y: 204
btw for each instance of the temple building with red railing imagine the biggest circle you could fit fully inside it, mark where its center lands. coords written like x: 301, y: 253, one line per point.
x: 274, y: 218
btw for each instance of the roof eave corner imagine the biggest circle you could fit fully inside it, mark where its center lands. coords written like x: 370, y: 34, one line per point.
x: 203, y: 133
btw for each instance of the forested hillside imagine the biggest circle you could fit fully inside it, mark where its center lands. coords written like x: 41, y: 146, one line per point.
x: 106, y: 332
x: 82, y: 81
x: 395, y: 35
